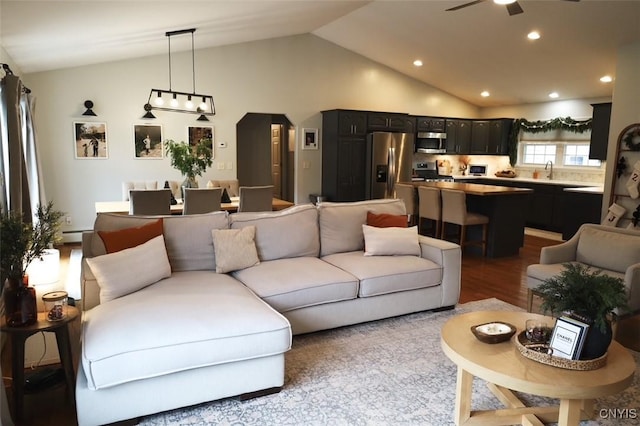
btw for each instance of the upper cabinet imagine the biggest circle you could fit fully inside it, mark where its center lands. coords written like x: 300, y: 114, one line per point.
x: 430, y: 124
x: 351, y: 123
x: 390, y: 122
x: 600, y: 131
x: 458, y: 136
x: 479, y: 137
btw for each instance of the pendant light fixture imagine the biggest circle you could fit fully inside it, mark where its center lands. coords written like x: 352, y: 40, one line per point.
x: 174, y: 101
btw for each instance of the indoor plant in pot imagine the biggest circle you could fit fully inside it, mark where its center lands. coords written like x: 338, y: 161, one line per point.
x: 589, y: 296
x: 22, y: 242
x: 190, y: 160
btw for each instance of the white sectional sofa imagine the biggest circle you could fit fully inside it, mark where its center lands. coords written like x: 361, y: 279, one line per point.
x: 195, y: 335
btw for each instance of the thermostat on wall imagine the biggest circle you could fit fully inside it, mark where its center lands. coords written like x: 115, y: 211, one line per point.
x: 222, y: 144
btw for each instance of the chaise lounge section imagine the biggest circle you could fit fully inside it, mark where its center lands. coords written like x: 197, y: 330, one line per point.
x: 208, y: 335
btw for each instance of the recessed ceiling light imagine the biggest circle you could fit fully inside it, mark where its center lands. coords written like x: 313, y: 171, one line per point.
x: 533, y: 35
x: 485, y: 94
x: 504, y: 1
x: 606, y: 79
x: 417, y: 63
x: 553, y: 95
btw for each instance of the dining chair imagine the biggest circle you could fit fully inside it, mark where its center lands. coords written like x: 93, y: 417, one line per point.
x: 231, y: 185
x: 129, y: 185
x: 256, y: 198
x: 454, y: 210
x: 201, y: 200
x: 407, y: 193
x: 429, y: 207
x: 150, y: 202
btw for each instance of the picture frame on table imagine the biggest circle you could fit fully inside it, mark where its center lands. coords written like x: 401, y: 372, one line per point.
x: 310, y: 139
x: 90, y: 140
x: 568, y: 337
x: 196, y: 133
x: 147, y: 142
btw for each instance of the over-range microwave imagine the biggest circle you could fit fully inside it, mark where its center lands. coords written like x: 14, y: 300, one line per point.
x: 431, y: 143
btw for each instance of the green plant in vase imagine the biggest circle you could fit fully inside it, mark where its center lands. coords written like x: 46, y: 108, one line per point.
x: 22, y: 242
x: 190, y: 160
x: 590, y: 296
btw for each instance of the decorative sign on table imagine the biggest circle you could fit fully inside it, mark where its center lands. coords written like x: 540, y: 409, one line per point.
x: 568, y: 338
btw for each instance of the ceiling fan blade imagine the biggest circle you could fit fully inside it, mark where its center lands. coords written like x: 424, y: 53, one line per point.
x: 464, y: 5
x: 514, y: 8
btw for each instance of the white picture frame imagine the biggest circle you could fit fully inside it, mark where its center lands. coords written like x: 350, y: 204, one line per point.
x: 310, y: 139
x: 90, y: 140
x: 147, y: 142
x: 568, y: 337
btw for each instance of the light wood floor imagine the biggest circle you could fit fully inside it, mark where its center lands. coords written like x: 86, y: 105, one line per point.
x: 503, y: 278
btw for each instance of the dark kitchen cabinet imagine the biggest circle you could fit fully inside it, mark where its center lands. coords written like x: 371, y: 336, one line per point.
x: 600, y: 131
x: 430, y: 124
x: 343, y: 155
x: 499, y: 131
x: 458, y: 136
x: 390, y: 122
x: 480, y: 137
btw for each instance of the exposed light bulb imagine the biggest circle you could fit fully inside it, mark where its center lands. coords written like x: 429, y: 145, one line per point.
x: 203, y: 105
x: 417, y: 63
x: 606, y: 79
x: 189, y: 103
x: 485, y: 94
x: 553, y: 95
x: 159, y: 100
x: 174, y: 101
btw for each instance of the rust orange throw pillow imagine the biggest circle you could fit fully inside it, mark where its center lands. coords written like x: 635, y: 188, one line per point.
x: 386, y: 220
x: 131, y: 237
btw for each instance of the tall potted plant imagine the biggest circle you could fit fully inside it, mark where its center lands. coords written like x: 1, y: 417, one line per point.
x: 590, y: 296
x: 190, y: 160
x: 22, y: 242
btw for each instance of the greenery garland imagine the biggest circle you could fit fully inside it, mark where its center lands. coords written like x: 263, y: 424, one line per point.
x: 540, y: 126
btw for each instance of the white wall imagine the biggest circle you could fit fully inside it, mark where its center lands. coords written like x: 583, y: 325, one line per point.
x: 578, y: 109
x: 297, y: 76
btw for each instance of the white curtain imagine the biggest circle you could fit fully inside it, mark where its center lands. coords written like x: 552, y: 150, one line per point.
x: 22, y: 189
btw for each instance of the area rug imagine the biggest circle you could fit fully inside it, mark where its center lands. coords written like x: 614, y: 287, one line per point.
x: 387, y: 372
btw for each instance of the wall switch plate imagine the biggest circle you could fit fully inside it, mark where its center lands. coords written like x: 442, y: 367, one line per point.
x: 229, y: 165
x: 220, y: 165
x: 67, y: 220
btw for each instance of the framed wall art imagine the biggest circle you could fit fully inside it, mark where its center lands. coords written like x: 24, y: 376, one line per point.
x: 310, y: 139
x: 196, y: 133
x: 147, y: 141
x: 90, y: 140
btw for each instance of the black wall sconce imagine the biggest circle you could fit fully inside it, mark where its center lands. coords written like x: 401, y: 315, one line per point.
x: 88, y: 105
x: 148, y: 114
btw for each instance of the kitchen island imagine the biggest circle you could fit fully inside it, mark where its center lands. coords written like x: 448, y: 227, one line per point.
x: 504, y: 206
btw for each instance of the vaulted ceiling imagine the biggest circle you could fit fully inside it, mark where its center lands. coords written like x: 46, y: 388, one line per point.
x: 464, y: 52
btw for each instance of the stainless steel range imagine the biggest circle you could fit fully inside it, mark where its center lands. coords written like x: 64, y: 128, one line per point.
x: 428, y: 172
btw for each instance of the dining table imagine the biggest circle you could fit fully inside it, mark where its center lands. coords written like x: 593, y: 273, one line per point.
x: 122, y: 207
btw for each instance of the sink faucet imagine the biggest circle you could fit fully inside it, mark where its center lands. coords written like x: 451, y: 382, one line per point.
x: 550, y: 166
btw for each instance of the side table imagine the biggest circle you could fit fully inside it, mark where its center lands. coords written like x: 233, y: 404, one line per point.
x: 19, y: 335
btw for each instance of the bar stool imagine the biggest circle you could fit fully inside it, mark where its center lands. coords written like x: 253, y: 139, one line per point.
x: 429, y: 207
x: 407, y: 194
x: 454, y: 210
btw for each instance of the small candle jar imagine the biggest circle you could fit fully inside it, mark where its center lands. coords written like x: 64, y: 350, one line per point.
x: 55, y: 305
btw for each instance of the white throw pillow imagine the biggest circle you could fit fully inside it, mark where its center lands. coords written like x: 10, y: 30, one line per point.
x: 234, y: 248
x: 391, y: 241
x: 130, y: 270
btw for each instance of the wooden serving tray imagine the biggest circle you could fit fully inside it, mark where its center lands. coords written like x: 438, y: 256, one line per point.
x: 584, y: 365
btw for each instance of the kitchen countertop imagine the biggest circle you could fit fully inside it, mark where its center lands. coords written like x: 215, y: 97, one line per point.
x: 540, y: 181
x: 474, y: 188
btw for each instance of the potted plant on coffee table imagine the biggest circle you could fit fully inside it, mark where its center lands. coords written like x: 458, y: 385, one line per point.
x: 190, y: 160
x: 22, y: 242
x: 589, y: 296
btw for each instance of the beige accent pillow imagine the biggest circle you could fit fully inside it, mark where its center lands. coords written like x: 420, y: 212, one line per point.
x: 130, y: 270
x: 235, y: 248
x: 391, y: 241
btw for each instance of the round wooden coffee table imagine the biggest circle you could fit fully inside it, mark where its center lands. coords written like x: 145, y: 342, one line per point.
x: 506, y: 370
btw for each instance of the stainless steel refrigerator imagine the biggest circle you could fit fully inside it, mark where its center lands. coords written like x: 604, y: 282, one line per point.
x: 389, y: 161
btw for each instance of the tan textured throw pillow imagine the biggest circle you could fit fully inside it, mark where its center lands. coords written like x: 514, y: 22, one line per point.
x: 234, y: 248
x: 130, y: 270
x: 390, y: 241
